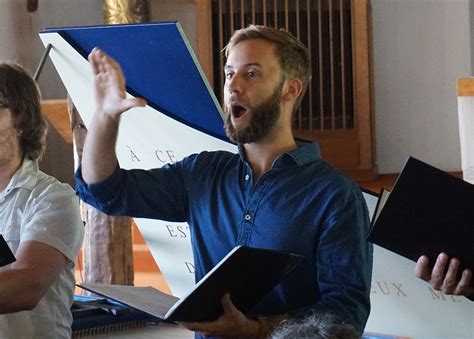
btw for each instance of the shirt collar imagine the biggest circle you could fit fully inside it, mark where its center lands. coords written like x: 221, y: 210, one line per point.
x: 24, y: 177
x: 307, y: 151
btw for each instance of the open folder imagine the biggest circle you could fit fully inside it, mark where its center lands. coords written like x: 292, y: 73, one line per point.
x: 246, y: 273
x: 428, y: 212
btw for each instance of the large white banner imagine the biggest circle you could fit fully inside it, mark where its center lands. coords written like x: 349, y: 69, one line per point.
x: 405, y: 306
x: 147, y: 139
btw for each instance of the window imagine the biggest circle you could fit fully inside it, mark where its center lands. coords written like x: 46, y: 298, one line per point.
x: 337, y: 109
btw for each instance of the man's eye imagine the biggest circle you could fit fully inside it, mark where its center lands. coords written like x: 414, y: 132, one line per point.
x: 251, y: 73
x: 228, y: 76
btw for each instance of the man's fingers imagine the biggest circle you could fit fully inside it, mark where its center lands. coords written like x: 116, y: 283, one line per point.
x: 101, y: 62
x: 201, y: 326
x: 444, y: 275
x: 110, y: 85
x: 421, y: 269
x: 438, y: 272
x: 110, y: 65
x: 464, y: 284
x: 227, y: 304
x: 231, y: 323
x: 450, y: 280
x: 93, y: 60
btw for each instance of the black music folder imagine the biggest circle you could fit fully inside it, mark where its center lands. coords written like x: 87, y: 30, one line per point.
x: 428, y: 212
x: 246, y: 273
x: 6, y: 255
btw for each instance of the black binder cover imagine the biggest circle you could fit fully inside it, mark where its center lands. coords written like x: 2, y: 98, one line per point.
x: 6, y: 255
x: 428, y: 212
x: 246, y: 273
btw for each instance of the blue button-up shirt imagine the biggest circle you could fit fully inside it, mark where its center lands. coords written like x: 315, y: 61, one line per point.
x: 301, y: 205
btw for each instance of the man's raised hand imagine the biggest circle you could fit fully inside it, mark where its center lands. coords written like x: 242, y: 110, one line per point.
x: 109, y: 85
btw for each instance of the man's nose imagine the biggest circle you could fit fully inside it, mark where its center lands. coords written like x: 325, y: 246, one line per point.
x: 234, y: 84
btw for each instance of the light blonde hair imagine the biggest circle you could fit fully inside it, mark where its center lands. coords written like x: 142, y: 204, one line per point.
x: 292, y: 54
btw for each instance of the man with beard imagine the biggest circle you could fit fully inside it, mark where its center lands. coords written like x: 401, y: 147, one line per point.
x: 39, y: 219
x: 276, y: 193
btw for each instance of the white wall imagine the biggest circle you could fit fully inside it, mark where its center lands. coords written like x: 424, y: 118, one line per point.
x: 183, y: 11
x: 420, y: 48
x: 19, y: 33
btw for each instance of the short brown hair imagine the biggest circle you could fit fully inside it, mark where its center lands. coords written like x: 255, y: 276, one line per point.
x: 22, y: 96
x: 292, y: 54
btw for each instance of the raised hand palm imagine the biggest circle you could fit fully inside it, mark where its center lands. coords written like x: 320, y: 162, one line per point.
x: 109, y: 85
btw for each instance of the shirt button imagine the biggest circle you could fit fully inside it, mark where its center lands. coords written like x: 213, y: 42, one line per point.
x: 247, y: 217
x: 247, y: 177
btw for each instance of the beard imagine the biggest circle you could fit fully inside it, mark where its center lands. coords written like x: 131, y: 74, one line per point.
x: 262, y: 119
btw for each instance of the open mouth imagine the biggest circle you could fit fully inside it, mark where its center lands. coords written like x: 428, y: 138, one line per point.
x: 238, y: 111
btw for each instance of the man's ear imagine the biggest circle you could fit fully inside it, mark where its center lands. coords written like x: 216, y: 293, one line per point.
x: 292, y: 89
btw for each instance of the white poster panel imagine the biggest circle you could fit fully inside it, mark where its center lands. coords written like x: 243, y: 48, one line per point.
x: 405, y: 306
x: 466, y: 136
x: 147, y: 139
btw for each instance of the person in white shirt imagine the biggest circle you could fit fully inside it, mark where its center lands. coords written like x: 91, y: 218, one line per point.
x: 39, y: 219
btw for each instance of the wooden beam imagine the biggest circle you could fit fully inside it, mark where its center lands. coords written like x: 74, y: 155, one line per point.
x: 361, y: 15
x: 465, y: 87
x: 56, y: 113
x: 204, y: 46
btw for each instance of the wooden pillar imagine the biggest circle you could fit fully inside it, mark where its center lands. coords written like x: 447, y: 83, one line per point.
x: 107, y: 253
x: 108, y: 248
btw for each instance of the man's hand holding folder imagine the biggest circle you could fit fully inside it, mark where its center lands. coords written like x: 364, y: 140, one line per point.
x: 428, y: 218
x: 444, y: 275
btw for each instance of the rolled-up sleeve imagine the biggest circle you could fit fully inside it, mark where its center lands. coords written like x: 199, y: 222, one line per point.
x: 158, y: 193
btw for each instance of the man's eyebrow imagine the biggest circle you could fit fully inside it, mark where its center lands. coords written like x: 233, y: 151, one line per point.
x: 250, y: 64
